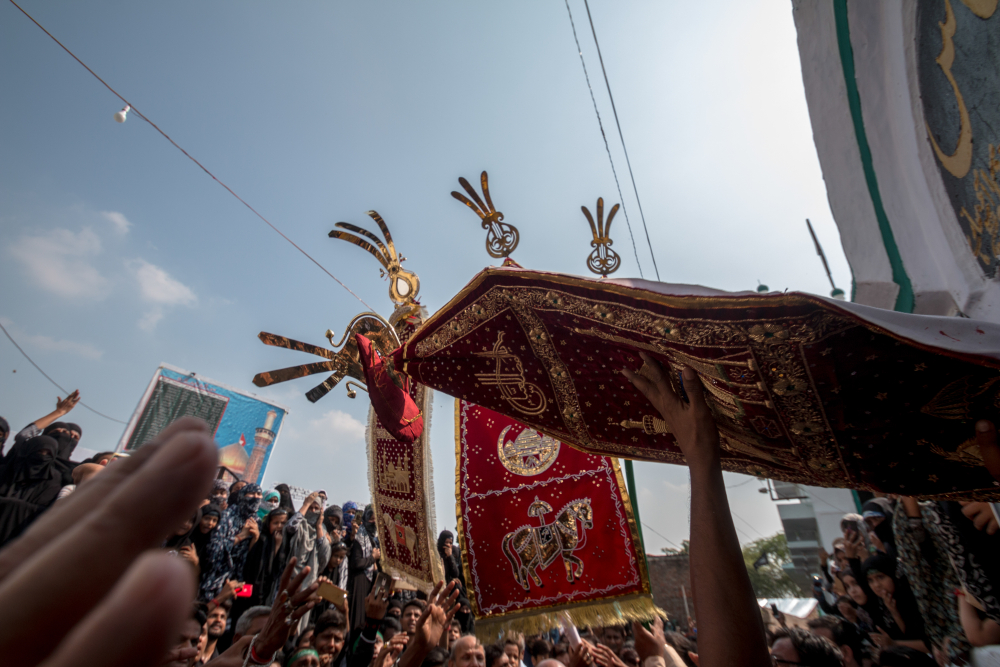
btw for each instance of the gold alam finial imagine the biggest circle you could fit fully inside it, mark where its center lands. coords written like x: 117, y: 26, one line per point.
x: 501, y: 238
x: 342, y: 363
x: 403, y: 284
x: 602, y: 258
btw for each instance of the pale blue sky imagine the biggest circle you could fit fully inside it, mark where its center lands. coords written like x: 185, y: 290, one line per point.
x: 119, y: 253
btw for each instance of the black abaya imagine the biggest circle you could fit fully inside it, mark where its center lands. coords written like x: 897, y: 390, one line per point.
x: 29, y: 484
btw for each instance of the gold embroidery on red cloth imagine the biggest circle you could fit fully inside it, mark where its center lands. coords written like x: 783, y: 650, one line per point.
x: 530, y: 548
x: 529, y: 454
x: 649, y: 424
x: 762, y: 368
x: 520, y: 394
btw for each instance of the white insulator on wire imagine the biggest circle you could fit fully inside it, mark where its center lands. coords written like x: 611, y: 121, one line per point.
x: 121, y: 115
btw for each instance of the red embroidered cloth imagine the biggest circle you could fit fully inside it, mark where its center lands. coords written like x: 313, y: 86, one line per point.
x: 400, y: 477
x: 545, y: 528
x: 804, y: 389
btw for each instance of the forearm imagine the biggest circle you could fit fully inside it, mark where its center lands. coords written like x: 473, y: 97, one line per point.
x: 42, y: 422
x: 730, y: 630
x: 413, y: 656
x: 980, y: 632
x: 362, y: 643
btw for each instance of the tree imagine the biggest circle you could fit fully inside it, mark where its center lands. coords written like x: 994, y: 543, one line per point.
x: 685, y: 549
x: 770, y: 580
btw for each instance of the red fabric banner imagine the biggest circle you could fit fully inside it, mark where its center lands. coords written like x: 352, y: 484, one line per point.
x: 400, y: 479
x: 545, y: 528
x: 803, y: 389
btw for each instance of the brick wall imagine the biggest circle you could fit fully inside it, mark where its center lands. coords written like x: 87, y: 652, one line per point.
x: 666, y: 576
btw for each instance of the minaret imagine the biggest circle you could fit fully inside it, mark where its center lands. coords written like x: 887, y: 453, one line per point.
x: 262, y: 440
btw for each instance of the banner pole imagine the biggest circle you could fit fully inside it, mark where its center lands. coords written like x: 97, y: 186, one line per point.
x: 630, y: 483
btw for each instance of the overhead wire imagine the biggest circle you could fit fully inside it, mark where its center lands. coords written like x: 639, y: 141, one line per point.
x: 622, y: 138
x: 660, y: 534
x: 603, y: 136
x: 190, y: 157
x: 47, y: 377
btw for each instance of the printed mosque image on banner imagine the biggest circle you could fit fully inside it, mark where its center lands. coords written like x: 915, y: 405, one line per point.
x: 244, y: 427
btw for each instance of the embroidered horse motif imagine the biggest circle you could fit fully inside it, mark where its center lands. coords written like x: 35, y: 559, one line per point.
x: 530, y: 548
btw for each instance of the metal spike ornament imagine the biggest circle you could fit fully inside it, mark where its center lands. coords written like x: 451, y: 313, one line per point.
x: 344, y: 362
x: 502, y: 238
x: 403, y: 285
x: 403, y: 289
x: 602, y: 259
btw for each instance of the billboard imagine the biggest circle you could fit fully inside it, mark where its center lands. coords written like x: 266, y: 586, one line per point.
x: 244, y: 427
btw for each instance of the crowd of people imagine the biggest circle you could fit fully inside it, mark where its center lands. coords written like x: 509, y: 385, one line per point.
x: 159, y: 562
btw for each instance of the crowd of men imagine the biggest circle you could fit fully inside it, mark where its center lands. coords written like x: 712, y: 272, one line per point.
x: 182, y: 568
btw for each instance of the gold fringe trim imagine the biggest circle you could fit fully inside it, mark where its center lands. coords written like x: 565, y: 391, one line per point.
x: 609, y: 611
x: 416, y: 582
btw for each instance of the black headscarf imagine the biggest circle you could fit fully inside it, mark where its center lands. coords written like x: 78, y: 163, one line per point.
x: 224, y: 558
x: 884, y: 530
x: 234, y: 494
x: 906, y: 604
x: 186, y: 538
x: 333, y: 518
x: 4, y: 431
x: 452, y: 563
x: 29, y: 483
x: 286, y: 498
x: 263, y: 565
x: 67, y: 443
x: 368, y: 522
x: 199, y: 539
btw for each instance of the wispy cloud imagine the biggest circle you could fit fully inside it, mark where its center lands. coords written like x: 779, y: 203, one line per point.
x: 158, y: 286
x: 334, y: 443
x: 44, y: 343
x: 118, y: 220
x: 160, y: 289
x: 59, y: 261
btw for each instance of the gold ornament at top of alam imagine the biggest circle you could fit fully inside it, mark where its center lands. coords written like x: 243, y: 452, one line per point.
x: 602, y: 258
x: 403, y: 289
x: 502, y: 238
x: 403, y: 285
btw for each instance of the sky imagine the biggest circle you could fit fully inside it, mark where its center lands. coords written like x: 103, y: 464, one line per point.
x: 117, y: 253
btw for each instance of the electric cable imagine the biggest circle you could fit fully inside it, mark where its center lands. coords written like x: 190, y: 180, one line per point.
x: 189, y: 156
x: 39, y: 369
x: 660, y: 534
x: 622, y: 138
x: 603, y: 136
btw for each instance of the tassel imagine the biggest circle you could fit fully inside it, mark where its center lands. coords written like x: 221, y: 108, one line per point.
x: 604, y: 612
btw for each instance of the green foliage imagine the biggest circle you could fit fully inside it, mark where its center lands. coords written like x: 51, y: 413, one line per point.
x: 685, y: 549
x: 771, y: 581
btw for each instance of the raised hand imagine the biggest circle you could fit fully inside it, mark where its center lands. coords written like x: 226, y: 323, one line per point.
x: 581, y: 655
x: 881, y: 638
x: 289, y: 606
x: 391, y: 650
x: 130, y: 599
x: 189, y: 554
x: 377, y: 602
x: 311, y: 499
x: 649, y: 642
x: 981, y: 515
x: 854, y: 545
x: 64, y: 405
x: 605, y: 657
x: 690, y: 422
x: 440, y: 609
